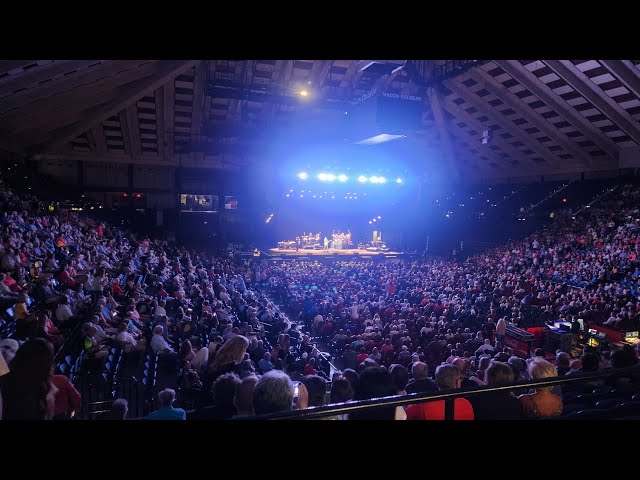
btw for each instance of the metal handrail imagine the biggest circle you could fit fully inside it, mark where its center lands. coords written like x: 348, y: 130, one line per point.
x: 68, y: 342
x: 408, y: 399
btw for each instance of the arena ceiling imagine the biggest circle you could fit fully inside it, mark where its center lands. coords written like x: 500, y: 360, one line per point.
x: 544, y: 116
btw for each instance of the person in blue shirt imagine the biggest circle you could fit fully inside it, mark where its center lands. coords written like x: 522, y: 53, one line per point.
x: 265, y: 364
x: 166, y: 411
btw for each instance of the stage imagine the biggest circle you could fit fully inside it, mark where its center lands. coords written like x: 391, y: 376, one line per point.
x: 331, y: 253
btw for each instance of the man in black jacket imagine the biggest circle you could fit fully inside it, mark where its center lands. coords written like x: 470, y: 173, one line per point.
x: 500, y: 405
x: 420, y: 382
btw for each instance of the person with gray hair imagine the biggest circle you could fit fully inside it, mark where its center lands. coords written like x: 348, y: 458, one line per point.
x: 167, y: 411
x: 420, y: 382
x: 243, y: 398
x: 119, y: 409
x: 563, y: 359
x: 447, y: 378
x: 158, y: 344
x: 274, y: 393
x: 542, y: 402
x: 8, y: 349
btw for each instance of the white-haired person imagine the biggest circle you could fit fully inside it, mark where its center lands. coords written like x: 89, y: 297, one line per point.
x: 274, y: 392
x: 200, y: 360
x: 158, y: 343
x: 8, y: 349
x: 541, y: 403
x: 167, y: 411
x: 161, y: 347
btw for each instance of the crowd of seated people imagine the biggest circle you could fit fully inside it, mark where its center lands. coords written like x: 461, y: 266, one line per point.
x: 215, y: 327
x: 64, y: 273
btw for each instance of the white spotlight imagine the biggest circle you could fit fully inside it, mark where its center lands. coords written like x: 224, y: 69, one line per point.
x: 362, y: 179
x: 303, y: 175
x: 398, y: 180
x: 373, y: 179
x: 382, y: 180
x: 342, y: 177
x: 326, y: 177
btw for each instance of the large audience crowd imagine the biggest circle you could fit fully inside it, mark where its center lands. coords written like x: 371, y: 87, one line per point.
x: 392, y: 327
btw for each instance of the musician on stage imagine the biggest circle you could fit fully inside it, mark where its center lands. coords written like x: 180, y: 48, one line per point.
x: 326, y: 243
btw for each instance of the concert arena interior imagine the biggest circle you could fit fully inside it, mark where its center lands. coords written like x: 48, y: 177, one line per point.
x: 319, y: 239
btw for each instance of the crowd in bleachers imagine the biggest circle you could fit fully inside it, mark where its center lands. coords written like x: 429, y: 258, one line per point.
x: 83, y: 299
x: 101, y: 301
x: 400, y: 314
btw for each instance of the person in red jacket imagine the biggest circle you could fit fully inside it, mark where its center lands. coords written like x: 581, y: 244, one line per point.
x: 67, y: 398
x: 447, y: 378
x: 309, y: 369
x: 362, y: 356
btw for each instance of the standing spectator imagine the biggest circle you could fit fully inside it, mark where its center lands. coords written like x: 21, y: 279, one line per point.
x: 501, y: 331
x: 228, y: 358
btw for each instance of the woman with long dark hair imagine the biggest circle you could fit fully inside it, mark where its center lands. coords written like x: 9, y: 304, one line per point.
x: 27, y: 391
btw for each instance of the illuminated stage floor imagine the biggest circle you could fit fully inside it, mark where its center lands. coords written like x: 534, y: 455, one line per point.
x: 332, y: 253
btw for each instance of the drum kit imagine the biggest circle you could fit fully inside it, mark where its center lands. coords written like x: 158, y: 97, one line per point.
x: 310, y: 240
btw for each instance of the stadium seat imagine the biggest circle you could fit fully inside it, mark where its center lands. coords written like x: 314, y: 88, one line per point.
x: 602, y: 392
x: 626, y: 409
x: 593, y: 414
x: 609, y: 402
